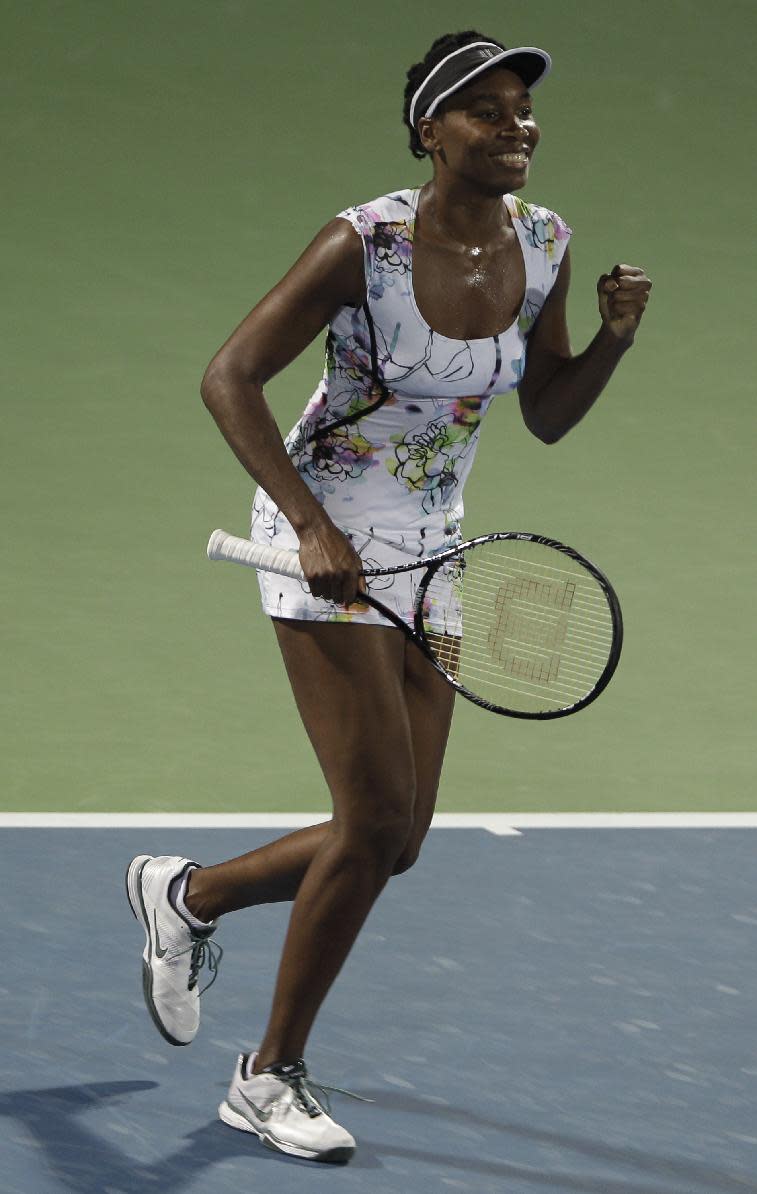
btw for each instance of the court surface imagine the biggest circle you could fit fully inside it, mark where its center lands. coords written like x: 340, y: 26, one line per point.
x: 558, y: 1009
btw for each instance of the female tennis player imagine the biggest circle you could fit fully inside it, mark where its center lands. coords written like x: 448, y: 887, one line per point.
x: 436, y: 299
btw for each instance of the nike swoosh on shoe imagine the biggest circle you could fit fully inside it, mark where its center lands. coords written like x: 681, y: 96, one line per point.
x: 262, y: 1115
x: 159, y: 951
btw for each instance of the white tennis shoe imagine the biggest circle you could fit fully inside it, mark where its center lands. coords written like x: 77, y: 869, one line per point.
x: 175, y: 951
x: 282, y: 1110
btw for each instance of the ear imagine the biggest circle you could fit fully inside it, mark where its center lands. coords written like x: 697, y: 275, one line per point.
x: 427, y: 131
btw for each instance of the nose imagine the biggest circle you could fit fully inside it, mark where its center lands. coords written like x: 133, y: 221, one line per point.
x: 513, y: 133
x: 508, y: 123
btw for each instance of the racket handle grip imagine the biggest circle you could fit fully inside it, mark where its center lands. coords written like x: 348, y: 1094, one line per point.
x: 223, y: 546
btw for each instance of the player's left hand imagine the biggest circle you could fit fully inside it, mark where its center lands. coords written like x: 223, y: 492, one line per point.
x: 623, y: 295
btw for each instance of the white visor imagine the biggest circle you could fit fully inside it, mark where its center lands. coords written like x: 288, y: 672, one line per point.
x: 461, y: 66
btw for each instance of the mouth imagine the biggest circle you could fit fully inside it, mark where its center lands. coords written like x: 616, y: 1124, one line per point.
x: 519, y: 159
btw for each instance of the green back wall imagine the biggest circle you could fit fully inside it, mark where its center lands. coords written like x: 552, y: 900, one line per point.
x: 165, y: 163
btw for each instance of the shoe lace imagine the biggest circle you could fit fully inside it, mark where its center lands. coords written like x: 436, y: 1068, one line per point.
x: 302, y: 1086
x: 202, y: 953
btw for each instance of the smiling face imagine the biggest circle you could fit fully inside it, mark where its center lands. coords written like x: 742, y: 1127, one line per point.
x: 475, y: 133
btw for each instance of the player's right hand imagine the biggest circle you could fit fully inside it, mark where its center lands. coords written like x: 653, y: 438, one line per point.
x: 331, y: 565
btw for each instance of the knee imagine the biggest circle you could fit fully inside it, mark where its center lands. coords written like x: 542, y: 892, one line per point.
x: 381, y: 838
x: 416, y: 838
x: 408, y: 857
x: 387, y: 839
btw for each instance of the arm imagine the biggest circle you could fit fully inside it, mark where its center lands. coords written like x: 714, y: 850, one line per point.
x: 327, y: 275
x: 557, y: 388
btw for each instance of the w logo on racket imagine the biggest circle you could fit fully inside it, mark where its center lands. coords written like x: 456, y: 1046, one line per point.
x: 518, y: 623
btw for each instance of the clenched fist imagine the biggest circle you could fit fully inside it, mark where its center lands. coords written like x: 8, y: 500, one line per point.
x: 623, y: 295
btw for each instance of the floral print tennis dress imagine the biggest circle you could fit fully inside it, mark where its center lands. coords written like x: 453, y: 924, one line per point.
x: 389, y: 436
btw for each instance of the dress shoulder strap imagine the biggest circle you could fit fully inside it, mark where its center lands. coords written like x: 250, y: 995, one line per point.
x: 364, y: 218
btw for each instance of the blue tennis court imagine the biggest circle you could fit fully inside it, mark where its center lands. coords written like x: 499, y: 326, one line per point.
x: 563, y: 1009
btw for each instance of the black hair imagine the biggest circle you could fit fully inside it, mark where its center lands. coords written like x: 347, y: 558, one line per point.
x: 420, y: 70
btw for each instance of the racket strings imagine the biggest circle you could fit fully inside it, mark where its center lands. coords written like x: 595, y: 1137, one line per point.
x: 521, y: 625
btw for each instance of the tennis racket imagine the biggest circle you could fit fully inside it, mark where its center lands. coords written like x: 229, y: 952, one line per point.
x: 517, y: 623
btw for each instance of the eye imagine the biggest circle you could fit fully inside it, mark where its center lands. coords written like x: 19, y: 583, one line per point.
x: 493, y: 114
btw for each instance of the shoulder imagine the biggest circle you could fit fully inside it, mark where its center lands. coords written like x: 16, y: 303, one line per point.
x: 547, y: 229
x: 382, y: 229
x: 336, y: 242
x: 332, y: 263
x: 393, y: 208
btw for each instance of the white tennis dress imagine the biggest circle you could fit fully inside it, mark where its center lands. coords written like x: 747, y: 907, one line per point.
x: 392, y: 480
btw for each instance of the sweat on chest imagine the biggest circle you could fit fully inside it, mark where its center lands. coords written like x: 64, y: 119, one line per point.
x: 471, y: 293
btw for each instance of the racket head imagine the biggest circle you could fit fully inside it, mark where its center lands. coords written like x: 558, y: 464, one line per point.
x: 520, y: 624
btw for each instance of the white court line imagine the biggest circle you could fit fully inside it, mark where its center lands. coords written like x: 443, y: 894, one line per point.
x: 503, y: 824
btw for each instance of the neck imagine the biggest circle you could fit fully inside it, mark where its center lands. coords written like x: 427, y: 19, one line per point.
x: 452, y: 211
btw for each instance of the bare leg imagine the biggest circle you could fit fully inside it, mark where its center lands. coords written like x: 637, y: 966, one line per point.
x: 273, y: 872
x: 268, y: 875
x: 348, y: 683
x: 378, y: 716
x: 430, y: 703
